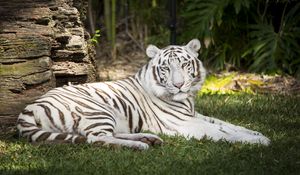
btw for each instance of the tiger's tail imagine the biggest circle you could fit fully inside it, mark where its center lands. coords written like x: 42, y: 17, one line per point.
x: 29, y: 128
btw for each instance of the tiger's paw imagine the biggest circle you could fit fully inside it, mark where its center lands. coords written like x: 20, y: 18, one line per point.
x: 150, y: 140
x: 252, y: 138
x: 260, y: 139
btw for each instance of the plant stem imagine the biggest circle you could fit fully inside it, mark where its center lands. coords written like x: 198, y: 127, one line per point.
x: 107, y: 15
x: 113, y: 29
x: 282, y: 20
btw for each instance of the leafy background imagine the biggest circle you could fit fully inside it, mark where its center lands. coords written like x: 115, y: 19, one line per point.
x: 247, y: 35
x: 260, y: 36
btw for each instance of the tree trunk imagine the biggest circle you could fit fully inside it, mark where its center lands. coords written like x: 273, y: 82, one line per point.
x: 43, y: 44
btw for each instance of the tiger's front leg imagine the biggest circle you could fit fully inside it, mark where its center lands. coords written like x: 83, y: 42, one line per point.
x: 203, y: 126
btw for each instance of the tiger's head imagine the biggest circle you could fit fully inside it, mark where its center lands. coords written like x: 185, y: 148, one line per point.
x: 175, y: 72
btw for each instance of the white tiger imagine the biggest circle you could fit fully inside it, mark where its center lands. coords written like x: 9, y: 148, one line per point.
x: 159, y: 98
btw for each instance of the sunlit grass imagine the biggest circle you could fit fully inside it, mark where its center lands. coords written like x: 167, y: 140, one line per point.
x: 250, y: 83
x: 278, y: 117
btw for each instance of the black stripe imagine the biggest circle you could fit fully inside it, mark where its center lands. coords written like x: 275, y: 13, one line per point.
x: 76, y: 120
x: 62, y: 101
x: 81, y: 98
x: 184, y: 59
x: 155, y: 117
x: 191, y: 105
x: 80, y: 139
x: 98, y: 118
x: 81, y: 103
x: 130, y: 119
x: 61, y: 115
x: 24, y: 123
x: 61, y: 136
x: 26, y: 112
x: 100, y: 95
x: 188, y: 115
x: 24, y: 133
x: 154, y: 73
x: 140, y: 72
x: 43, y: 136
x: 165, y: 54
x: 82, y: 90
x: 98, y: 124
x: 116, y: 105
x: 32, y: 133
x: 109, y: 116
x: 132, y: 94
x: 112, y: 89
x: 91, y: 113
x: 132, y: 84
x: 87, y: 133
x: 108, y: 130
x: 144, y: 112
x: 124, y: 106
x: 174, y: 105
x: 147, y: 66
x: 48, y: 114
x: 170, y: 113
x: 98, y: 133
x: 127, y: 99
x: 140, y: 123
x: 121, y: 85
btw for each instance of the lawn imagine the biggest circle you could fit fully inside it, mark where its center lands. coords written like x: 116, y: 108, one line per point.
x: 278, y: 117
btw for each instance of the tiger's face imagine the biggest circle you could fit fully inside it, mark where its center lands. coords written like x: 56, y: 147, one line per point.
x: 176, y: 70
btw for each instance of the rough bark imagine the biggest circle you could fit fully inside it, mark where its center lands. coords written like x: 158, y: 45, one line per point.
x: 43, y: 44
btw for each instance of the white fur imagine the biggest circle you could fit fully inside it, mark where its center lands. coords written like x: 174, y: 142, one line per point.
x: 110, y: 112
x: 194, y: 46
x: 216, y: 129
x: 152, y: 51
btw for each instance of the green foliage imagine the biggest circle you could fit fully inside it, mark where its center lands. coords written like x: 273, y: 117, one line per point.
x: 95, y: 38
x: 245, y: 33
x: 110, y: 24
x: 216, y: 23
x: 276, y: 51
x: 254, y: 35
x: 275, y: 116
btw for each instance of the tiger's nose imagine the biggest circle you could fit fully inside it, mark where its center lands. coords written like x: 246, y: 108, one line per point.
x: 178, y: 85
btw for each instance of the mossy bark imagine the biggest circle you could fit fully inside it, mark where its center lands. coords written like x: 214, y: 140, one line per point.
x: 43, y: 44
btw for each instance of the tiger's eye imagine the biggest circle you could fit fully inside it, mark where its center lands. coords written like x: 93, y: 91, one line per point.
x: 165, y: 68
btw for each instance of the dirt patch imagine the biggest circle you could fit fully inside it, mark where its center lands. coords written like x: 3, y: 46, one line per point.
x: 124, y: 66
x: 131, y: 57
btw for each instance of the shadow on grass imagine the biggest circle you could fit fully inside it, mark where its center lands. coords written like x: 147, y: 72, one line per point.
x: 177, y: 156
x: 277, y: 117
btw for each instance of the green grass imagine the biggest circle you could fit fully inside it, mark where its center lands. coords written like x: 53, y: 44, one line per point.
x: 278, y: 117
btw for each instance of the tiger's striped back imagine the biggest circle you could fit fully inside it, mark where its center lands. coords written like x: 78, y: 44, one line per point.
x: 159, y: 98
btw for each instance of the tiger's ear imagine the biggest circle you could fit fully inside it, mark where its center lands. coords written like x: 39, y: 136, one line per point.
x: 194, y: 45
x: 151, y: 51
